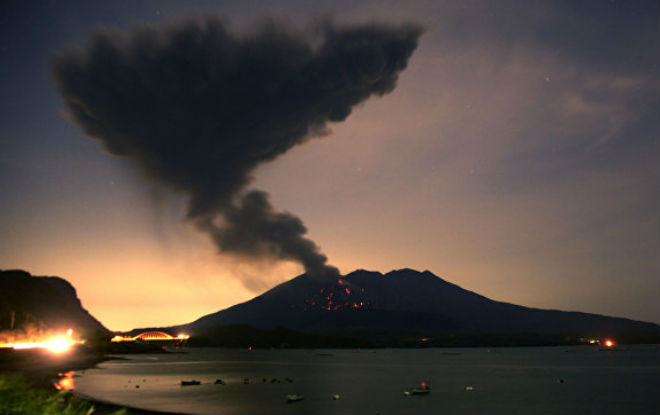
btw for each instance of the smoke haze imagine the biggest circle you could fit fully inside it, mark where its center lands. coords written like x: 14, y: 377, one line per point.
x: 198, y: 108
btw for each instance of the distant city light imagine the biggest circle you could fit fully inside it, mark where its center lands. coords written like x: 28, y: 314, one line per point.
x: 55, y: 343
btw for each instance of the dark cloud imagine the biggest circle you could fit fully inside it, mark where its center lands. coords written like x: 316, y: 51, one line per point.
x: 199, y: 108
x: 254, y: 228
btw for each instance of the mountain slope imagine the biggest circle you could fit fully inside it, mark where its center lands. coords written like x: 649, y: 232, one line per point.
x: 408, y: 301
x: 28, y: 303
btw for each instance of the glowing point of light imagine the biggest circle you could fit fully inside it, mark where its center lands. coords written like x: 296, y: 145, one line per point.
x: 423, y: 384
x: 183, y: 336
x: 609, y: 343
x: 69, y: 332
x: 58, y: 345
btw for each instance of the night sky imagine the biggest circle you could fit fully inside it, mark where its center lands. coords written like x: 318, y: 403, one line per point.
x: 517, y: 156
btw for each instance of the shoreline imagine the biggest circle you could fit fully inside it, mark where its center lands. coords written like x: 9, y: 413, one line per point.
x: 102, y: 406
x: 43, y: 370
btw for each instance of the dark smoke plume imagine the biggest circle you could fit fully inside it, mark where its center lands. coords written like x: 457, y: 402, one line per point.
x: 199, y: 108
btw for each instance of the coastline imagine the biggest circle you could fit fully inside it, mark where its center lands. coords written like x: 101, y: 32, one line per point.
x: 41, y: 370
x: 106, y: 407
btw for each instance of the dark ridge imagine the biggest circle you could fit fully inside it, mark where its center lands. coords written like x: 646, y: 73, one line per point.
x: 32, y: 303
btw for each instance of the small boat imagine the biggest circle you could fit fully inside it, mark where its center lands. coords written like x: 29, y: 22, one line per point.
x: 296, y: 397
x: 190, y: 382
x: 420, y: 391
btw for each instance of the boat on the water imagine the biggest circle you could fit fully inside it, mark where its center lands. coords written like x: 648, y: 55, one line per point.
x: 296, y: 397
x: 190, y: 382
x: 423, y: 389
x: 420, y: 391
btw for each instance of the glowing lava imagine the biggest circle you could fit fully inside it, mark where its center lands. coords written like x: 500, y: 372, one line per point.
x: 338, y: 296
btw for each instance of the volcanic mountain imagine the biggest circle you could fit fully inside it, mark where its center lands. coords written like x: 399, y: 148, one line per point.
x: 412, y: 304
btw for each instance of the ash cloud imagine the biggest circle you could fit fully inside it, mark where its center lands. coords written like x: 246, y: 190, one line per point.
x: 198, y: 108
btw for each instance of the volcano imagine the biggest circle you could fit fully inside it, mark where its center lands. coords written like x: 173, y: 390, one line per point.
x: 408, y: 304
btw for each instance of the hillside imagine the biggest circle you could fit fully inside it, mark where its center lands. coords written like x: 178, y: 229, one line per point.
x: 43, y: 303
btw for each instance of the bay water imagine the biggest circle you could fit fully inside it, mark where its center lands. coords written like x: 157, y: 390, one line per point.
x: 585, y: 379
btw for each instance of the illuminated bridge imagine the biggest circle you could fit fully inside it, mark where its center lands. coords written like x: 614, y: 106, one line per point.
x: 152, y: 337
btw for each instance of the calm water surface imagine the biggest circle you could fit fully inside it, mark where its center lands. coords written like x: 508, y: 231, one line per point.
x: 504, y: 380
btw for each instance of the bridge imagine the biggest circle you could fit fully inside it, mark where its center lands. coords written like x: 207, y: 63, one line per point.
x: 152, y: 337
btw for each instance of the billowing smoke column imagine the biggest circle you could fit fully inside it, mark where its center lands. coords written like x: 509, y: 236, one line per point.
x: 198, y: 108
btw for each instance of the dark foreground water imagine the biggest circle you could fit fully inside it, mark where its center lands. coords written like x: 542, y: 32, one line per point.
x: 503, y: 380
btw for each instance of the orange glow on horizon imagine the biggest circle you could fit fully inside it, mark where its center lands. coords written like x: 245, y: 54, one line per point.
x: 118, y: 339
x: 57, y: 344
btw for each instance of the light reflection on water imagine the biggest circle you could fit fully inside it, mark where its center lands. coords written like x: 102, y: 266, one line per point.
x: 511, y: 380
x: 66, y: 381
